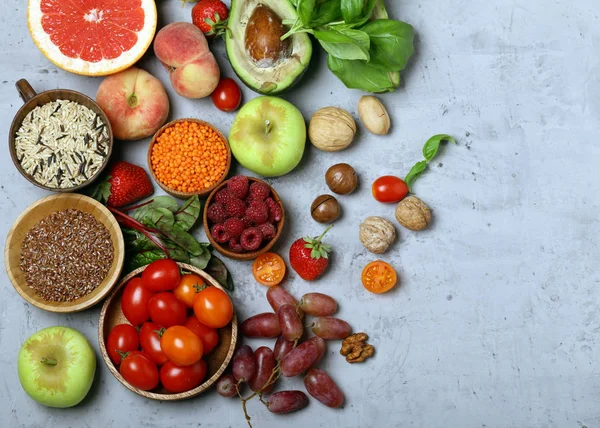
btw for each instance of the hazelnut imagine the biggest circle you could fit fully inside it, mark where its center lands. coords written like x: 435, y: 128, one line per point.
x: 341, y: 179
x: 373, y: 115
x: 331, y: 129
x: 413, y: 214
x: 377, y: 234
x: 325, y: 209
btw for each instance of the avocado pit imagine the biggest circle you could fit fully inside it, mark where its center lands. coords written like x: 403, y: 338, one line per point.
x: 263, y: 37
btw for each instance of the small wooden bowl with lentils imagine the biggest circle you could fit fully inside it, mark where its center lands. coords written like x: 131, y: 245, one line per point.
x: 64, y: 253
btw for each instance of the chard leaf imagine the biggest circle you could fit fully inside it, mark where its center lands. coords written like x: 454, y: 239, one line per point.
x: 188, y: 214
x: 217, y: 269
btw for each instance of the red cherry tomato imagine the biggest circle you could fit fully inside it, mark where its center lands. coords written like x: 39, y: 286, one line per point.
x: 139, y: 371
x: 134, y: 302
x: 122, y: 338
x: 180, y: 379
x: 161, y: 275
x: 167, y: 310
x: 389, y: 189
x: 208, y: 336
x: 150, y: 341
x: 213, y: 308
x: 227, y: 95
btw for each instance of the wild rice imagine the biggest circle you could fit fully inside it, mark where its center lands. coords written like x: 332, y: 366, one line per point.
x: 66, y: 255
x: 62, y: 144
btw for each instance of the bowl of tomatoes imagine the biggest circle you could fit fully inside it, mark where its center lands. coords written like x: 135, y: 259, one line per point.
x: 168, y: 331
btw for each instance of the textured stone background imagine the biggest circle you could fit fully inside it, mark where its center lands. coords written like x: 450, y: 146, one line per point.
x: 496, y: 321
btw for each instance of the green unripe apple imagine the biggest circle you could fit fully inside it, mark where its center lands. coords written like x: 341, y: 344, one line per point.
x: 57, y: 366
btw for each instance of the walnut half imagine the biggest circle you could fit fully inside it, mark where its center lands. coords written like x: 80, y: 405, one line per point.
x: 355, y: 348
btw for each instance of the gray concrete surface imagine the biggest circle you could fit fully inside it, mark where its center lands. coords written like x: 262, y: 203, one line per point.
x: 496, y: 321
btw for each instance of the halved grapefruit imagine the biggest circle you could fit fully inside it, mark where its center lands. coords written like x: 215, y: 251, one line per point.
x: 92, y: 37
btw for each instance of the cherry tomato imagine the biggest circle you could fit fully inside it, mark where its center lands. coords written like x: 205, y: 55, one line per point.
x: 161, y: 275
x: 227, y: 95
x: 389, y: 189
x: 180, y: 379
x: 187, y: 288
x: 181, y: 345
x: 150, y: 341
x: 213, y: 308
x: 134, y: 302
x: 379, y: 277
x: 139, y: 370
x: 208, y: 336
x: 268, y: 269
x: 122, y: 338
x: 167, y: 310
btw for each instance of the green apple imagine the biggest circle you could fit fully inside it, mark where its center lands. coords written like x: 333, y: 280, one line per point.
x: 57, y: 366
x: 268, y: 136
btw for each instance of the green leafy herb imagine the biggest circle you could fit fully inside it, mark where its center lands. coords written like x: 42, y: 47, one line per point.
x: 414, y: 173
x: 306, y: 8
x: 351, y: 9
x: 388, y: 38
x: 218, y: 271
x: 188, y: 214
x: 329, y: 11
x: 360, y: 75
x: 344, y: 44
x: 432, y: 145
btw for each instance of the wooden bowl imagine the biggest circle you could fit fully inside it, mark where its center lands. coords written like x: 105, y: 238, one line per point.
x: 216, y: 362
x: 185, y: 195
x: 33, y: 100
x: 243, y: 256
x: 42, y: 209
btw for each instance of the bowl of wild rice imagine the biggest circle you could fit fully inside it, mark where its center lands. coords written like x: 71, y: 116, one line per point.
x: 60, y: 140
x: 64, y: 253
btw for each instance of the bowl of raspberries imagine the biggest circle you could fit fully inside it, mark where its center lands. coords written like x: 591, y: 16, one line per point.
x: 243, y: 217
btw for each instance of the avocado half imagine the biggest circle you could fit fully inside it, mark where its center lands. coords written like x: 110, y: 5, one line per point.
x: 261, y: 60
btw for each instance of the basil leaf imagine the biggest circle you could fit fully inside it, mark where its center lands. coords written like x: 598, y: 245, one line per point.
x: 306, y: 9
x: 188, y: 214
x: 391, y: 43
x: 344, y: 43
x: 328, y: 11
x: 351, y: 9
x: 414, y: 173
x: 379, y: 10
x: 360, y: 75
x: 217, y: 269
x: 432, y: 145
x: 295, y: 2
x: 366, y: 13
x: 201, y: 260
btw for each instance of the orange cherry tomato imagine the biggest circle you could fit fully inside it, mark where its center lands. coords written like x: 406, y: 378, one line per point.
x: 213, y: 307
x: 268, y: 269
x: 189, y: 285
x: 181, y: 345
x: 379, y: 277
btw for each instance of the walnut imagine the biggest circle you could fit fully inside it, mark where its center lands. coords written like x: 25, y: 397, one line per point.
x: 377, y: 234
x: 331, y: 129
x: 355, y: 348
x: 413, y: 214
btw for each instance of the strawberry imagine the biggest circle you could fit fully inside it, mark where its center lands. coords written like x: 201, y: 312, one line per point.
x: 309, y: 256
x: 210, y: 16
x: 126, y: 183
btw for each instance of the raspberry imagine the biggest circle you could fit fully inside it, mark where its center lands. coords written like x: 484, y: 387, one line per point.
x: 257, y: 211
x: 259, y: 191
x: 251, y: 239
x: 235, y: 207
x: 247, y: 222
x: 268, y: 231
x: 216, y: 213
x: 275, y: 211
x: 234, y: 226
x: 238, y: 185
x: 219, y: 233
x: 223, y: 196
x: 235, y: 246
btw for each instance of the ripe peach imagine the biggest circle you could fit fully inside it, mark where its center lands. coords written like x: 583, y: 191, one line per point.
x: 182, y: 48
x: 135, y: 103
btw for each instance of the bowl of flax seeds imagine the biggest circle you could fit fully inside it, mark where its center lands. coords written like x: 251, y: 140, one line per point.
x: 64, y: 253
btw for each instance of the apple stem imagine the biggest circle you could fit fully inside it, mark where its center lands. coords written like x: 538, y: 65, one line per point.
x: 132, y: 100
x: 49, y: 361
x: 268, y: 126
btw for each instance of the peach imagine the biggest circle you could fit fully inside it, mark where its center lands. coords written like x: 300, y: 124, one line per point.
x: 135, y: 103
x: 182, y: 48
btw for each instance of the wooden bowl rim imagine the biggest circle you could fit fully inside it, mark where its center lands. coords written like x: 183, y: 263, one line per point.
x: 74, y: 306
x: 14, y: 127
x: 244, y: 256
x: 177, y: 193
x: 153, y: 395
